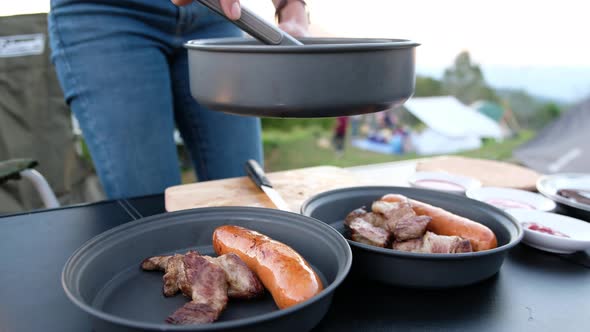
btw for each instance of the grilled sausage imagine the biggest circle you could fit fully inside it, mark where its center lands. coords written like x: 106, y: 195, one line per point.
x: 446, y: 223
x: 284, y: 273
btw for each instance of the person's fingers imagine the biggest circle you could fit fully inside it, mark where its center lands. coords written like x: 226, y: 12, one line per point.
x: 231, y: 8
x: 294, y: 29
x: 181, y: 2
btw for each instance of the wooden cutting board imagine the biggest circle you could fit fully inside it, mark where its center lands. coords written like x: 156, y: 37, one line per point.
x: 294, y: 186
x: 490, y: 172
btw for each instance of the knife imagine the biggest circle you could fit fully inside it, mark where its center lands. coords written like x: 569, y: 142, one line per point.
x: 256, y: 174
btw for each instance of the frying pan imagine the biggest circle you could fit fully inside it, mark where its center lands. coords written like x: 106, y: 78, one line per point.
x: 276, y: 75
x: 418, y: 270
x: 104, y: 279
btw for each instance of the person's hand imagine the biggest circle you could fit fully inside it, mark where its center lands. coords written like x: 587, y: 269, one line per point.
x: 294, y: 18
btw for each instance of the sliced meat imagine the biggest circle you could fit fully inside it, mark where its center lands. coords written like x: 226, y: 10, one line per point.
x: 243, y: 282
x: 393, y: 212
x: 414, y: 245
x: 174, y: 275
x: 193, y: 313
x: 434, y: 244
x: 209, y: 292
x: 445, y: 244
x: 358, y: 213
x: 375, y: 219
x: 463, y: 246
x: 364, y: 232
x: 156, y: 263
x: 410, y: 228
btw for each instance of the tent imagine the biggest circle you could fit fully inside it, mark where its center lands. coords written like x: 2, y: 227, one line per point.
x: 504, y: 117
x: 489, y: 109
x: 451, y: 125
x: 562, y: 146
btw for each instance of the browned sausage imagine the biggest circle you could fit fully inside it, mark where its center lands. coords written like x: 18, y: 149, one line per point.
x: 284, y: 273
x: 446, y: 223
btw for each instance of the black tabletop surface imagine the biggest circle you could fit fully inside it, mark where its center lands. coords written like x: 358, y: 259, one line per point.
x: 534, y: 291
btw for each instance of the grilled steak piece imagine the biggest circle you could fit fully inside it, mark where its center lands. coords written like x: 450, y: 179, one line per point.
x: 413, y: 245
x: 209, y: 292
x: 155, y: 263
x: 174, y: 276
x: 410, y: 228
x: 243, y: 282
x: 375, y: 219
x: 435, y: 244
x: 364, y: 232
x: 358, y: 213
x: 445, y: 244
x: 393, y: 212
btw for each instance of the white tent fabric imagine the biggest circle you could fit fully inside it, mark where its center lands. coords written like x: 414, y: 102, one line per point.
x: 449, y: 117
x: 430, y: 142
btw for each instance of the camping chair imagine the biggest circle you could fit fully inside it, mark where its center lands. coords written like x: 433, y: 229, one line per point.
x: 15, y: 169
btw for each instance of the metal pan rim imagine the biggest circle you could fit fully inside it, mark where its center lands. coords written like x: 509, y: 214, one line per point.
x: 328, y: 291
x: 235, y: 45
x: 421, y: 256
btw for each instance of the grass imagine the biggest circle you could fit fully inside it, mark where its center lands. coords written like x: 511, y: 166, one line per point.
x: 306, y: 147
x: 303, y: 148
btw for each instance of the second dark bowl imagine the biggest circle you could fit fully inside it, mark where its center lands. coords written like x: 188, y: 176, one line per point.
x: 419, y: 270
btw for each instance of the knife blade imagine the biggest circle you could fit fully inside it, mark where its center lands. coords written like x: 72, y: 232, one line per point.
x: 256, y: 174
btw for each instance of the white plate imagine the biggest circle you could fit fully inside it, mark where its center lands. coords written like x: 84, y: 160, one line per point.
x: 577, y: 230
x: 548, y: 185
x: 506, y: 198
x: 443, y: 181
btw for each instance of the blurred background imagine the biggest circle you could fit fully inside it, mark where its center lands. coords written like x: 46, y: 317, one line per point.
x: 514, y: 67
x: 520, y: 63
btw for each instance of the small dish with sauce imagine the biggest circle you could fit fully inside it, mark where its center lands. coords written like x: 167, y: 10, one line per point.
x: 443, y: 181
x: 552, y: 232
x: 507, y: 198
x: 571, y: 191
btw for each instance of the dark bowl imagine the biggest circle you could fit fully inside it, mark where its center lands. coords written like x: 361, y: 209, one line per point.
x: 417, y: 269
x: 104, y: 278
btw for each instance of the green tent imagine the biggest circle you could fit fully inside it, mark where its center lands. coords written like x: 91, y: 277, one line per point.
x: 490, y: 109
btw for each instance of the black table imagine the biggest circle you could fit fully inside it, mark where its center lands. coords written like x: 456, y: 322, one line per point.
x: 534, y: 291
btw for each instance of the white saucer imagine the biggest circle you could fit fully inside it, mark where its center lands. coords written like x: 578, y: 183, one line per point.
x: 577, y: 230
x: 549, y: 185
x: 443, y: 181
x: 506, y: 198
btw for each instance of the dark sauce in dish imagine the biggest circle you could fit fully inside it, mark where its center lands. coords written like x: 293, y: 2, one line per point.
x: 575, y: 195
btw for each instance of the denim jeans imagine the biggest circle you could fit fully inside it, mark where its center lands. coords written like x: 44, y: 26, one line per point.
x: 124, y: 72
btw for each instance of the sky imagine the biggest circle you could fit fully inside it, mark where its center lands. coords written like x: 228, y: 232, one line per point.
x: 499, y: 32
x: 533, y: 35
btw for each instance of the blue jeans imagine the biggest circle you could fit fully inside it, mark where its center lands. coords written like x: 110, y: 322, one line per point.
x: 124, y: 72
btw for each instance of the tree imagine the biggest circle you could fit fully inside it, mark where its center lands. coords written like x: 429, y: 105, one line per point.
x: 545, y: 115
x: 465, y: 81
x: 428, y: 86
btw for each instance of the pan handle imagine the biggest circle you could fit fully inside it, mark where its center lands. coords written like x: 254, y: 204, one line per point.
x: 256, y: 26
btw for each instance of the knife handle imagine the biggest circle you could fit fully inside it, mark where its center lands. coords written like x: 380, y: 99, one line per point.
x: 256, y: 173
